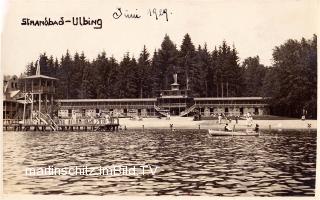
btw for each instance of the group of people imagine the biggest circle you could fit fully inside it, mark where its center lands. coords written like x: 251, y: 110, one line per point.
x: 228, y: 128
x: 227, y: 118
x: 249, y: 122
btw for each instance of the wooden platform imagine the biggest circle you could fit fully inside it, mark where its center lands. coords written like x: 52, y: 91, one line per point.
x: 73, y: 127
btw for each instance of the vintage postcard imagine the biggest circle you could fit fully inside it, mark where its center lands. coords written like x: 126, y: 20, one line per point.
x: 209, y: 98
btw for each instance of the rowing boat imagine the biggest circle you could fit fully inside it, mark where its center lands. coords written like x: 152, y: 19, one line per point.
x: 234, y: 133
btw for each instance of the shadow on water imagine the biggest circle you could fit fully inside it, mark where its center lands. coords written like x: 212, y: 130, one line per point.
x: 191, y: 163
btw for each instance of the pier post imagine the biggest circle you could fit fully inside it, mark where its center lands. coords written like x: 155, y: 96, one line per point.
x: 309, y: 128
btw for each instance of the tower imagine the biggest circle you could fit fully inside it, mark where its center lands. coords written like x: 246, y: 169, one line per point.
x: 175, y: 85
x: 38, y: 91
x: 174, y: 100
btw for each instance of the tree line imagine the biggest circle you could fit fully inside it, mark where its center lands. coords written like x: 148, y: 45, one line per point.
x: 291, y: 81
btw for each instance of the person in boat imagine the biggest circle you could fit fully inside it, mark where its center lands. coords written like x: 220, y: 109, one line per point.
x: 256, y: 129
x: 227, y: 128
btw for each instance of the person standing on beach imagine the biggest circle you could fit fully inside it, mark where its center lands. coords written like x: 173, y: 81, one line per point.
x: 219, y: 119
x: 251, y: 121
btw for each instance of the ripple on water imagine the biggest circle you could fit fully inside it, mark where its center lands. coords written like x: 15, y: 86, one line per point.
x: 191, y: 163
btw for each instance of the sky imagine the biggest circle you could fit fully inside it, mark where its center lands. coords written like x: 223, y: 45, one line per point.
x: 254, y: 27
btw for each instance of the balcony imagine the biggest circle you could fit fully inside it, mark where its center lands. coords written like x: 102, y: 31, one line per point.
x: 41, y: 89
x: 173, y: 105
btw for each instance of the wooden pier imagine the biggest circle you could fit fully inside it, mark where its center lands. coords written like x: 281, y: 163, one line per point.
x: 92, y: 125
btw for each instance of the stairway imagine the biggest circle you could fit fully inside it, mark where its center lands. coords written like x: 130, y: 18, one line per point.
x: 45, y: 118
x: 18, y: 115
x: 187, y: 111
x: 158, y: 109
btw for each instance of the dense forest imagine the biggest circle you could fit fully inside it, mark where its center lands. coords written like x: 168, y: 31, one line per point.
x: 291, y: 81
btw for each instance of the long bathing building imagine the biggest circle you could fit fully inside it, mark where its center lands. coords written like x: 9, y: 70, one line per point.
x: 176, y: 102
x: 36, y: 97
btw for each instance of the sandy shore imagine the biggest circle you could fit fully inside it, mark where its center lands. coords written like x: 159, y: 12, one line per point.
x: 188, y: 123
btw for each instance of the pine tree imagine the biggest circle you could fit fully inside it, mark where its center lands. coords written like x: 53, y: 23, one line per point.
x: 213, y: 74
x: 155, y: 73
x: 43, y: 62
x: 64, y: 83
x: 30, y: 69
x: 188, y: 70
x: 228, y: 71
x: 203, y: 63
x: 144, y: 74
x: 127, y: 78
x: 167, y: 58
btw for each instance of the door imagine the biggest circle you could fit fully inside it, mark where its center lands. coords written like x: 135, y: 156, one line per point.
x: 241, y: 111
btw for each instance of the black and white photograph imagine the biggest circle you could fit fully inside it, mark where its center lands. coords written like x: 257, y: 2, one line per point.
x: 209, y: 98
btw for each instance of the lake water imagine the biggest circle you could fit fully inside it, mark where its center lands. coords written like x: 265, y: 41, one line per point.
x: 191, y: 163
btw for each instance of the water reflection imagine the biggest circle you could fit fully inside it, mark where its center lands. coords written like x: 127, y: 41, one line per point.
x: 191, y: 163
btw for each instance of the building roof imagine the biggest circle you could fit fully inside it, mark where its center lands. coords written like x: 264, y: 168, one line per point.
x: 16, y: 101
x: 173, y: 90
x: 155, y: 99
x: 39, y: 76
x: 14, y: 93
x: 229, y: 98
x: 173, y: 97
x: 107, y: 100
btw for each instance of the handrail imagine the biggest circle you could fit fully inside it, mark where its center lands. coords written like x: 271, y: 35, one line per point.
x: 158, y: 109
x: 47, y: 119
x: 188, y: 110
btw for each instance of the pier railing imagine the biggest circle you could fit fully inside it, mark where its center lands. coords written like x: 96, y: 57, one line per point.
x: 10, y: 121
x: 94, y: 121
x: 43, y: 122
